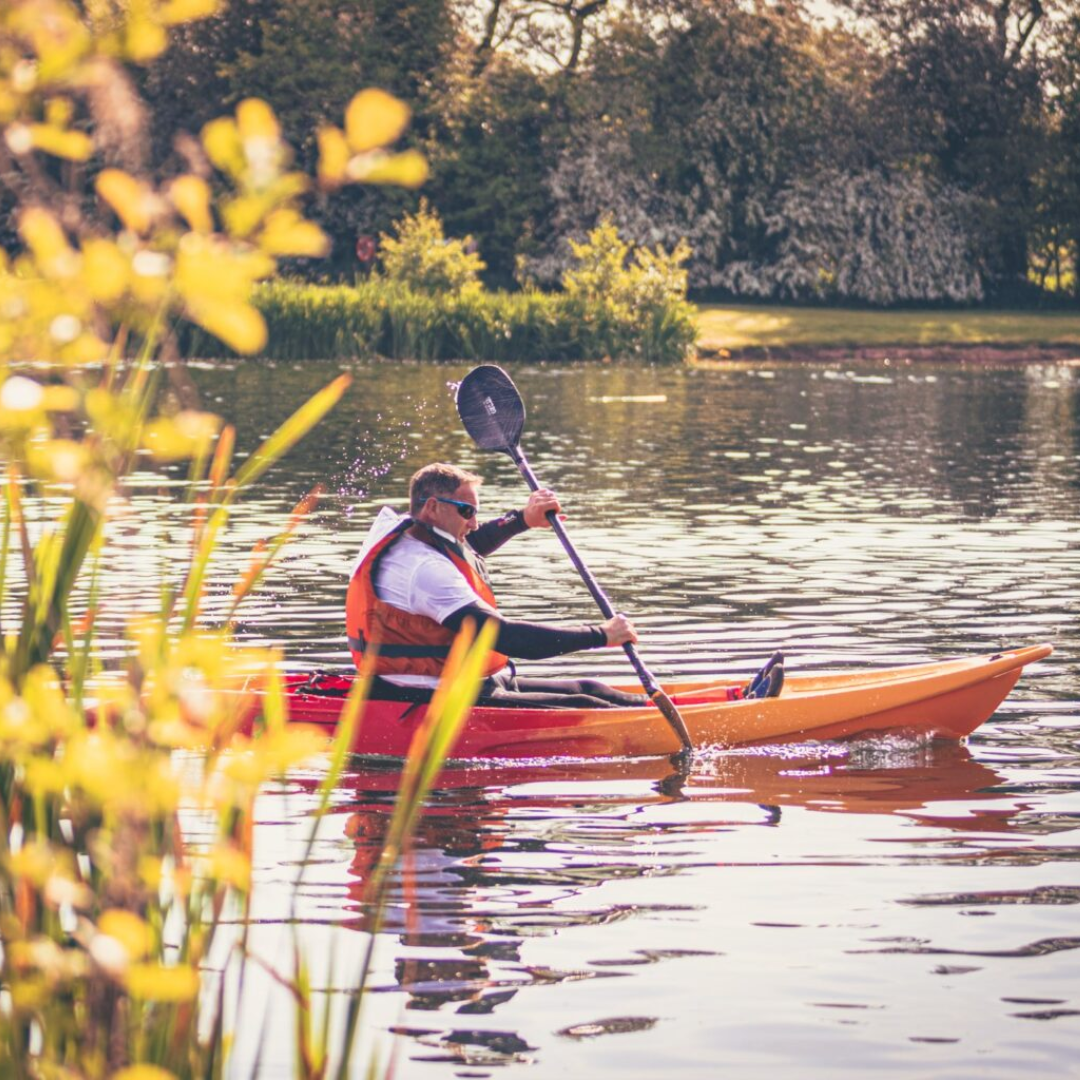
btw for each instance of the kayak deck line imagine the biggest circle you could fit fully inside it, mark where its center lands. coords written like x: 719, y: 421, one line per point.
x: 946, y: 699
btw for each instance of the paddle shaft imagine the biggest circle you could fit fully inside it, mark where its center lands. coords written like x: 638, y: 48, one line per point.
x: 652, y: 688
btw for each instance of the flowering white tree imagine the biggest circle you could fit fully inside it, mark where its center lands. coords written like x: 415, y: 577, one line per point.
x: 871, y: 237
x: 600, y: 177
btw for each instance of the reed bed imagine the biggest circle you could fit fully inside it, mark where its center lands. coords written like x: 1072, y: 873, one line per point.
x: 382, y: 318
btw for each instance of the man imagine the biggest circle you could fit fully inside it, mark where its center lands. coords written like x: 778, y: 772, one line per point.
x: 421, y: 575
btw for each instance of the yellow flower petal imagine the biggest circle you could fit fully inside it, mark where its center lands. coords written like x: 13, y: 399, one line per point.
x: 155, y: 982
x: 191, y: 196
x: 221, y: 140
x: 143, y: 1072
x: 237, y: 324
x: 286, y: 233
x: 60, y: 399
x: 72, y: 145
x: 130, y: 200
x: 180, y: 436
x: 58, y: 459
x: 231, y: 867
x: 46, y: 239
x: 59, y: 111
x: 213, y: 271
x: 182, y: 11
x: 374, y: 118
x: 408, y: 169
x: 126, y: 927
x: 145, y: 40
x: 105, y: 270
x: 256, y: 120
x: 333, y: 156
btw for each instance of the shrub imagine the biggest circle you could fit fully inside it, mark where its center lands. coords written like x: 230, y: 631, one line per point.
x: 639, y: 296
x: 424, y: 261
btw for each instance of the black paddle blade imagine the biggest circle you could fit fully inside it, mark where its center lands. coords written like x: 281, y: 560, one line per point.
x: 491, y: 408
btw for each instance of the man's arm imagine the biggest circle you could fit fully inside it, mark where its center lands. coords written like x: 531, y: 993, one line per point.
x: 492, y: 535
x: 539, y: 641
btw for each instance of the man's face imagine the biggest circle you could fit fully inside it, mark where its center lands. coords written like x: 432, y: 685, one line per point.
x: 447, y: 516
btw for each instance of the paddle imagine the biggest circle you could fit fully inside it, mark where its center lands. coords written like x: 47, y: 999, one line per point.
x: 494, y: 415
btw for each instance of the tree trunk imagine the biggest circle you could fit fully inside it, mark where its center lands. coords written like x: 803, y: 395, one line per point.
x: 484, y: 48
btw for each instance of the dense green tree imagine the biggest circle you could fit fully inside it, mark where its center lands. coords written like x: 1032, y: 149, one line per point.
x: 1059, y: 188
x: 676, y: 133
x: 768, y: 137
x: 962, y: 84
x: 491, y: 158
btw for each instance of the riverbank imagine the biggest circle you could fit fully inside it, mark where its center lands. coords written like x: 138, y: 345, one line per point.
x: 375, y: 318
x: 824, y: 334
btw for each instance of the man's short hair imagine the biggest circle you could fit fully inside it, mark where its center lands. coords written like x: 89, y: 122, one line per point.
x: 437, y: 479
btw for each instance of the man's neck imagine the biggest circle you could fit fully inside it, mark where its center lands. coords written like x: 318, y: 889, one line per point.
x: 445, y: 535
x: 442, y: 533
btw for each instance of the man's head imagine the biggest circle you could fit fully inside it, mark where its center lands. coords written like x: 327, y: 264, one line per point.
x: 434, y: 493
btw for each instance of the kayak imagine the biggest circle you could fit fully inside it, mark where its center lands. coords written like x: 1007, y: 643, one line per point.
x: 947, y: 699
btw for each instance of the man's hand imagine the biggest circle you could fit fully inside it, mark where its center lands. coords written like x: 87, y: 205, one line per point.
x: 619, y: 630
x: 539, y: 504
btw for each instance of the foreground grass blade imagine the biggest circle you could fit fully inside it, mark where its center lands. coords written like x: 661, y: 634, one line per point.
x: 60, y: 571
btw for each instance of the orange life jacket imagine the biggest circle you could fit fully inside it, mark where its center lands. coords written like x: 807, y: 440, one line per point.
x: 406, y: 644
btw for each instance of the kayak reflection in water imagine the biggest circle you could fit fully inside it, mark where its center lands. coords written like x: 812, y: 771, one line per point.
x: 420, y: 575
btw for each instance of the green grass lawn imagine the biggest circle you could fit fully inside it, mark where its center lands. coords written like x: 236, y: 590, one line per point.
x: 747, y: 327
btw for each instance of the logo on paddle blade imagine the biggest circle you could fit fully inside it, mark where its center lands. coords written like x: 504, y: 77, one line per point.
x: 489, y: 407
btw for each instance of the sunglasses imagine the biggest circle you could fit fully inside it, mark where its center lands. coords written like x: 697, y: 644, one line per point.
x: 466, y: 510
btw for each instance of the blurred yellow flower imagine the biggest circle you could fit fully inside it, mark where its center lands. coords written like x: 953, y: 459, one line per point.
x: 230, y: 866
x: 171, y: 438
x: 58, y: 459
x: 156, y: 982
x: 105, y: 270
x: 333, y: 156
x: 181, y: 11
x: 72, y: 145
x: 256, y: 121
x: 191, y: 196
x: 287, y: 233
x: 143, y: 1072
x: 131, y: 200
x: 144, y: 39
x: 221, y: 141
x: 373, y: 119
x: 407, y: 169
x: 127, y: 928
x: 46, y: 240
x: 240, y: 326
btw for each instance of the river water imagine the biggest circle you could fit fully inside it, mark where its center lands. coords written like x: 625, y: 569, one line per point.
x: 806, y: 911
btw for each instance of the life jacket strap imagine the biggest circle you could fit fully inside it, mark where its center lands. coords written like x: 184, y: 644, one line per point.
x: 401, y: 652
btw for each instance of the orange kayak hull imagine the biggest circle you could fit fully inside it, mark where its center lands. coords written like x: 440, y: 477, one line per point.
x: 943, y: 700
